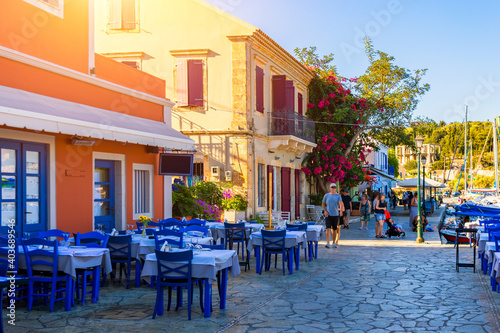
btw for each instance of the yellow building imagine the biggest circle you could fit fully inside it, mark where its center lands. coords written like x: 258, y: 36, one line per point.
x: 239, y: 95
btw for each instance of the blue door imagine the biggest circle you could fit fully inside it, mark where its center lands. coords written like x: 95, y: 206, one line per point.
x: 104, y: 194
x: 23, y: 196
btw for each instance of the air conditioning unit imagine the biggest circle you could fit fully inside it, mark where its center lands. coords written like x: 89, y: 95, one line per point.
x: 215, y: 171
x: 229, y: 176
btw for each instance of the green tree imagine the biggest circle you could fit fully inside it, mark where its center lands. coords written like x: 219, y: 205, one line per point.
x: 394, y: 91
x: 393, y: 160
x: 411, y: 165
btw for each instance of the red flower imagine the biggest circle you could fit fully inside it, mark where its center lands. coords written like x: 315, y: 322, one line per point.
x: 310, y: 105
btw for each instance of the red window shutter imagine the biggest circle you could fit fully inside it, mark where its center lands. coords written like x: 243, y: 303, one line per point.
x: 270, y: 171
x: 300, y: 102
x: 297, y: 193
x: 195, y: 82
x: 259, y: 89
x: 290, y: 95
x: 115, y: 14
x: 285, y: 189
x: 182, y: 83
x: 128, y: 14
x: 279, y: 92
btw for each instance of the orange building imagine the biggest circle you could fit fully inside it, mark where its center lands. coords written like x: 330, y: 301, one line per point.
x: 79, y: 133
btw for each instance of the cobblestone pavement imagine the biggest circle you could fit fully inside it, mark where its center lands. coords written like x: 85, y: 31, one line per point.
x: 366, y: 285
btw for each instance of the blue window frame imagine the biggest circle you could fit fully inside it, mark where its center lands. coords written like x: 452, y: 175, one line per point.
x: 23, y: 195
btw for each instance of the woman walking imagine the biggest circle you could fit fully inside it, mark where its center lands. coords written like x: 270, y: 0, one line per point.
x: 364, y: 210
x: 413, y: 209
x: 380, y: 209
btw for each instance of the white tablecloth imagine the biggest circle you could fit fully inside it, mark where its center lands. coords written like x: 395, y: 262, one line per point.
x: 495, y: 271
x: 293, y: 238
x: 315, y: 233
x: 205, y: 264
x: 489, y: 251
x: 142, y: 246
x: 70, y: 259
x: 481, y: 242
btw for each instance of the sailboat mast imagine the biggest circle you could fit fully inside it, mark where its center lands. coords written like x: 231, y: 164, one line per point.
x: 471, y: 168
x: 495, y: 153
x: 465, y: 152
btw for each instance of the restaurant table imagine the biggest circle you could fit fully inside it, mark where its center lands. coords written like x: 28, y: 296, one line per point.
x: 495, y: 267
x: 142, y: 246
x: 293, y: 239
x: 315, y: 233
x: 70, y: 259
x: 218, y: 230
x: 205, y: 265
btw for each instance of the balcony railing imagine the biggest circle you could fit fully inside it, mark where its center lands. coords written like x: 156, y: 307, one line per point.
x: 289, y: 122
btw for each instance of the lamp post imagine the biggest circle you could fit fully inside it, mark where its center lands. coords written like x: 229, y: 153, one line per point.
x: 424, y: 162
x: 420, y: 237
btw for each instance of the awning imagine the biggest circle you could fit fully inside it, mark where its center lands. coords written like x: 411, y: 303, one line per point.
x: 412, y: 182
x: 381, y: 174
x: 22, y: 109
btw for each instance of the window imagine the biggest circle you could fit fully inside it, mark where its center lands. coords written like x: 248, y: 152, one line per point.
x: 132, y: 64
x: 123, y: 15
x: 55, y: 7
x: 261, y: 185
x: 190, y: 90
x: 259, y: 89
x: 198, y: 172
x: 142, y: 190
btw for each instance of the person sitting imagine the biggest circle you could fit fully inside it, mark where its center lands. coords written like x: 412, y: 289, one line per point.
x: 415, y: 223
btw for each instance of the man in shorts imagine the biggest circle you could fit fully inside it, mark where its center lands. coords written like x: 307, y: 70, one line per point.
x: 347, y: 201
x: 333, y: 207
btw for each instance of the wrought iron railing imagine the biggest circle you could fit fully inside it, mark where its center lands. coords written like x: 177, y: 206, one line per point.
x: 289, y: 122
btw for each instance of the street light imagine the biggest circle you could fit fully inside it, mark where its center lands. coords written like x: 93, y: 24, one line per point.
x: 420, y: 236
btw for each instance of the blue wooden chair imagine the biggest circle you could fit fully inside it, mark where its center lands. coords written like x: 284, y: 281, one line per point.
x: 150, y: 228
x: 175, y: 270
x: 92, y: 239
x: 273, y: 242
x: 173, y: 225
x: 197, y: 222
x: 60, y: 283
x: 496, y: 238
x: 120, y: 248
x: 210, y: 220
x: 491, y: 231
x: 195, y: 230
x: 238, y: 237
x: 299, y: 227
x: 213, y: 247
x: 252, y: 222
x: 51, y: 233
x: 170, y: 219
x: 171, y: 236
x: 12, y: 265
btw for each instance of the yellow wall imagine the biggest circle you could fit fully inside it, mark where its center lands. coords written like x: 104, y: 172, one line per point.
x: 173, y: 25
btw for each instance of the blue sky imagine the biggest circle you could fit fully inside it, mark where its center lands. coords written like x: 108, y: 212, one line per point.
x: 457, y: 41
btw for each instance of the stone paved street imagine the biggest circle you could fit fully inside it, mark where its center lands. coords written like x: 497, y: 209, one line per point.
x: 366, y: 285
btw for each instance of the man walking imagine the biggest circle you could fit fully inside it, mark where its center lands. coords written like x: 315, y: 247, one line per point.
x: 333, y: 207
x: 347, y: 201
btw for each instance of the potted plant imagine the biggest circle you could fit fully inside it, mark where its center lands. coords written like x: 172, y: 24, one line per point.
x: 184, y: 203
x: 234, y: 205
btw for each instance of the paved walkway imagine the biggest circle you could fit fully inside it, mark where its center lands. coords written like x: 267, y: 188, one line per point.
x: 366, y: 285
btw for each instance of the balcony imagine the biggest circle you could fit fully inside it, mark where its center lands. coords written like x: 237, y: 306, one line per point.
x: 289, y: 122
x: 291, y: 131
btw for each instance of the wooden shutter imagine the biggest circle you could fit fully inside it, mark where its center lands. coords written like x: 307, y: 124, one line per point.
x: 115, y: 14
x: 259, y: 89
x: 290, y: 95
x: 270, y: 171
x: 300, y: 104
x: 182, y: 83
x: 285, y: 189
x: 279, y: 92
x: 195, y: 82
x: 297, y: 194
x: 128, y: 14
